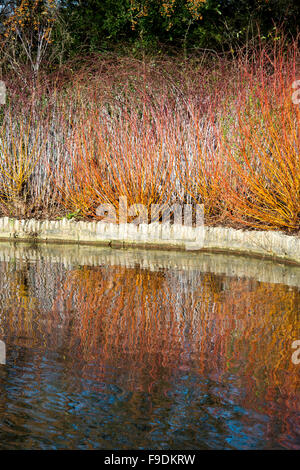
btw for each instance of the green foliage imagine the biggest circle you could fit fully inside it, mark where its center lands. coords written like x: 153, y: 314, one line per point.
x: 103, y: 24
x: 153, y: 25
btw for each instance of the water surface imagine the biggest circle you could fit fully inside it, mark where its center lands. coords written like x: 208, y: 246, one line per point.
x: 116, y: 355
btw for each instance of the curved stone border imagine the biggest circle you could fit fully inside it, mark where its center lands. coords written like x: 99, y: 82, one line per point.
x: 262, y: 243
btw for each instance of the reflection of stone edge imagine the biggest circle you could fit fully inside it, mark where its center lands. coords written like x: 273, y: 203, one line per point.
x: 72, y: 256
x: 262, y: 243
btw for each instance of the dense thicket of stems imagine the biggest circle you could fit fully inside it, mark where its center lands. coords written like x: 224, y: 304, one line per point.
x: 214, y: 130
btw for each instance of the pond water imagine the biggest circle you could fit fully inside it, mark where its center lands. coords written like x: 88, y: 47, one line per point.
x: 127, y: 350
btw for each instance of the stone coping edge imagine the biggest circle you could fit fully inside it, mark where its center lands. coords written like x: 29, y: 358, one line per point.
x: 271, y: 244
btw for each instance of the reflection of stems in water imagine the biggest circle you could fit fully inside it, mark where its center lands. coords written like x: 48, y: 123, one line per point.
x: 144, y: 318
x: 146, y: 328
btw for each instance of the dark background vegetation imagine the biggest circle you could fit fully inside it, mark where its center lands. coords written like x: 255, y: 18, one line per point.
x: 105, y: 24
x: 134, y: 26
